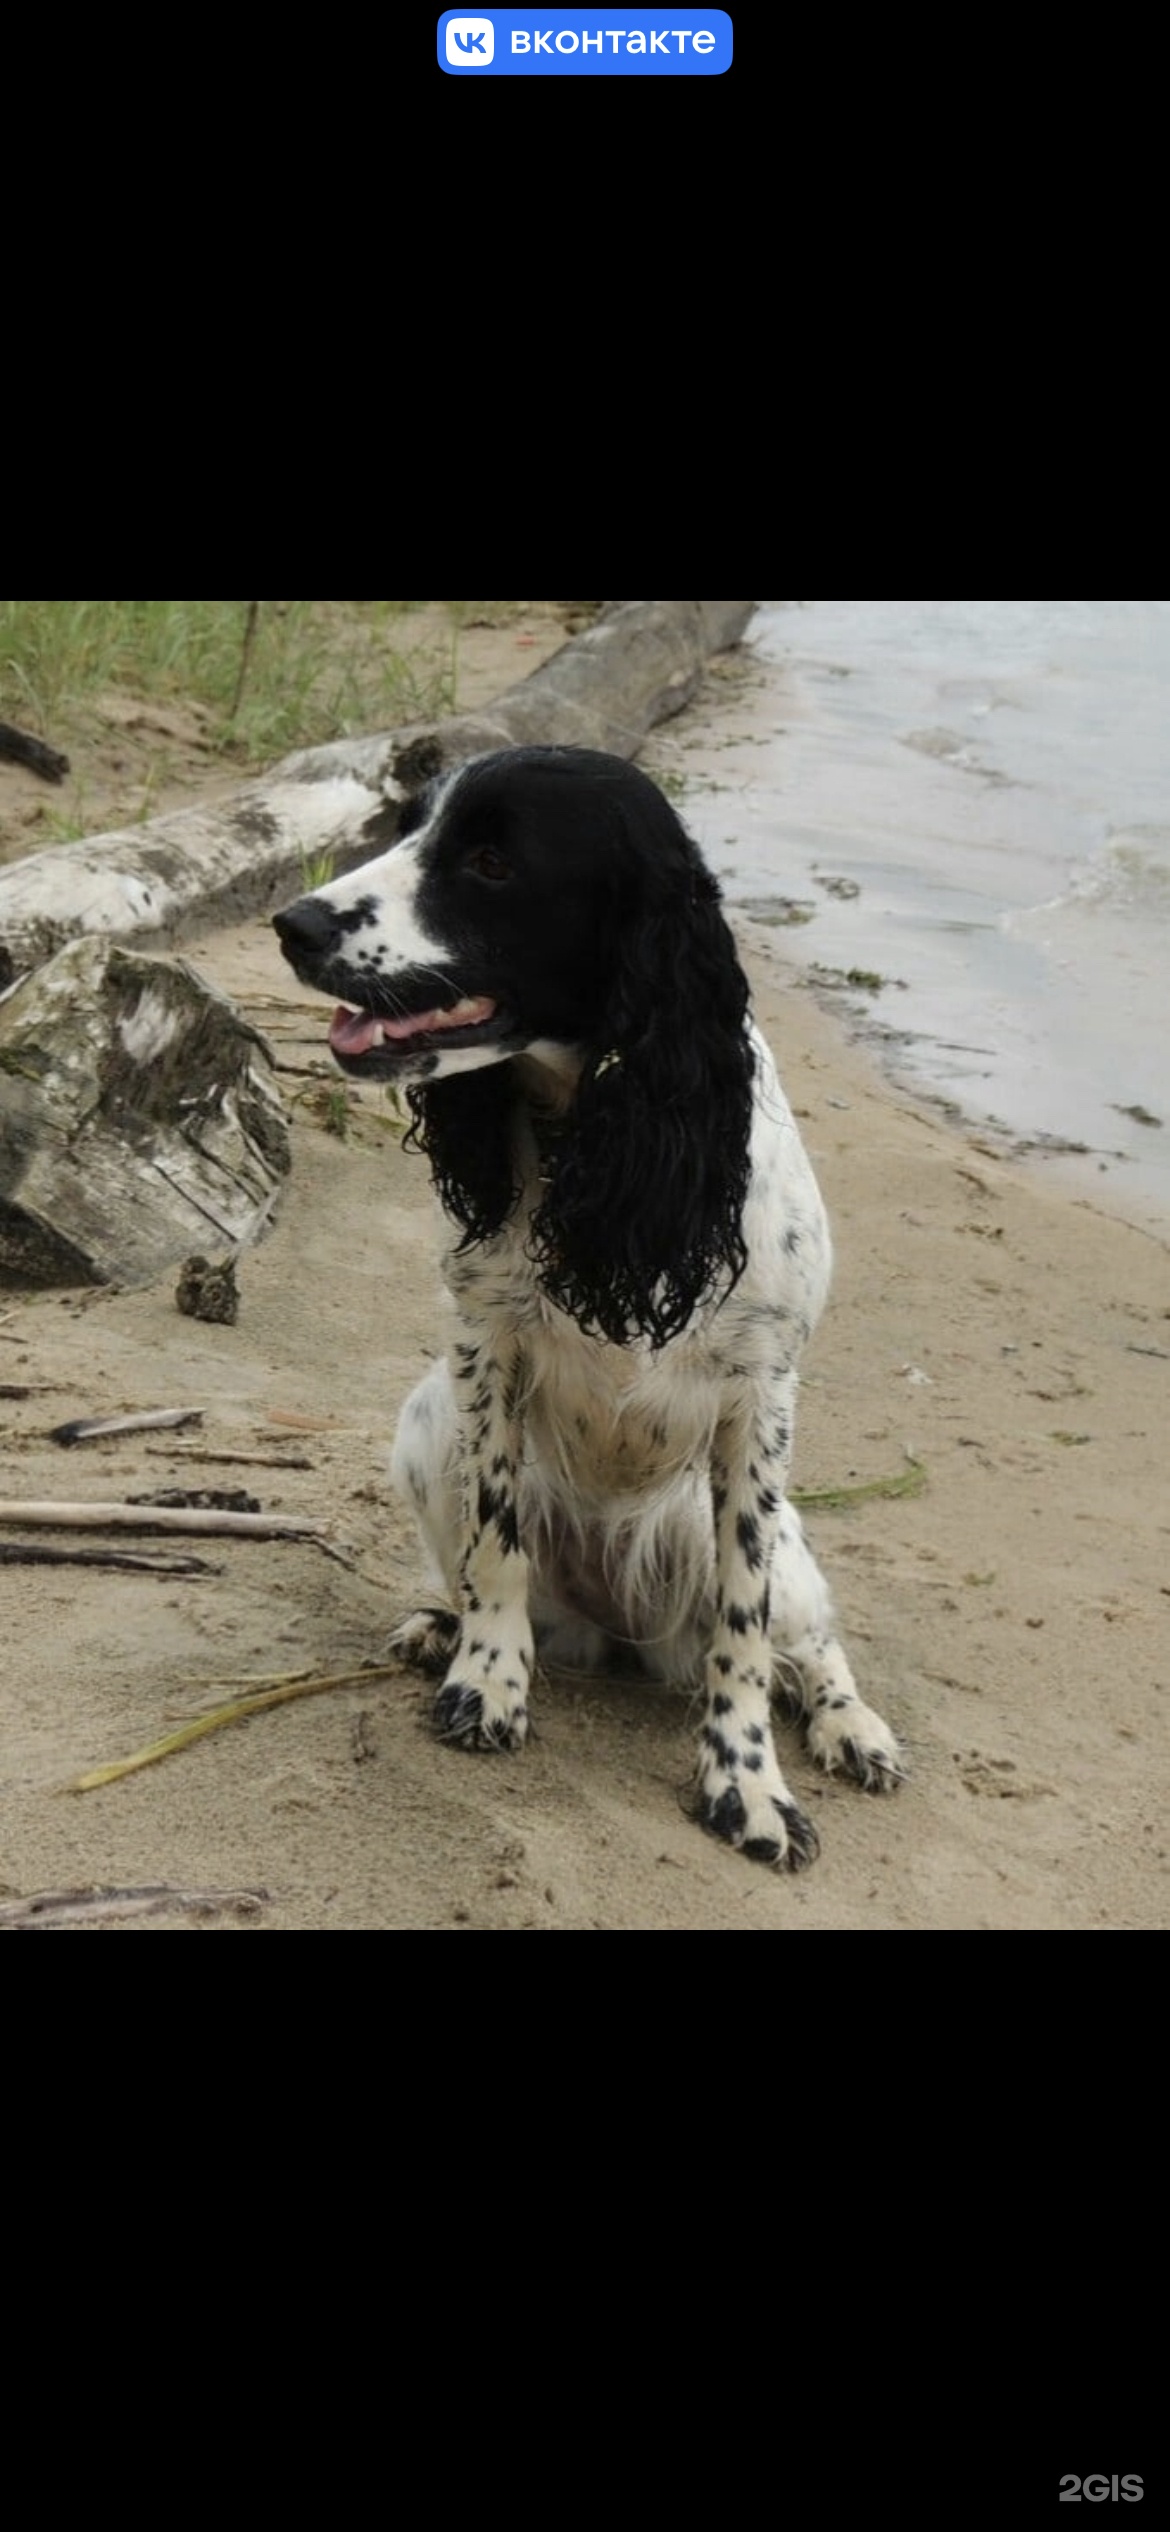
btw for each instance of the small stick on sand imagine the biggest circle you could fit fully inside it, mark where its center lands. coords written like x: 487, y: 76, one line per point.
x: 90, y: 1428
x: 118, y: 1560
x: 225, y: 1459
x: 52, y: 1908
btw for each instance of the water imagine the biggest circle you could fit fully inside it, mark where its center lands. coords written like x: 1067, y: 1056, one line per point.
x: 993, y: 778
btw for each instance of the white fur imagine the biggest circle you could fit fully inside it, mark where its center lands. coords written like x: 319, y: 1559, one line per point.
x: 615, y: 1452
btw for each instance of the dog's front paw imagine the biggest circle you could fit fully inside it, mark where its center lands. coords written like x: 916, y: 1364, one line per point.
x: 851, y: 1737
x: 759, y: 1818
x: 427, y: 1640
x: 480, y: 1718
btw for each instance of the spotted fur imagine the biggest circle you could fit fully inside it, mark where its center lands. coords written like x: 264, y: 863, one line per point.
x: 602, y: 1458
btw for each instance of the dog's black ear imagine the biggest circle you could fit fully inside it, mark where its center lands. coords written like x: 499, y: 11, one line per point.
x: 463, y: 1122
x: 643, y: 1215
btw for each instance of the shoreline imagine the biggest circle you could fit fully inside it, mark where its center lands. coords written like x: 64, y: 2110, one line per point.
x: 960, y: 870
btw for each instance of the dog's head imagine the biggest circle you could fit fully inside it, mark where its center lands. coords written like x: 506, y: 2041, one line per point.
x: 485, y: 930
x: 547, y: 900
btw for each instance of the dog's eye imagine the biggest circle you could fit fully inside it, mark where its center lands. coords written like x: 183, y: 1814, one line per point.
x: 489, y: 865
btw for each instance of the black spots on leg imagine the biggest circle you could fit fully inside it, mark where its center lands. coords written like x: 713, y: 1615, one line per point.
x: 721, y: 1750
x: 496, y: 1510
x: 487, y: 1654
x: 722, y: 1662
x: 747, y: 1621
x: 751, y: 1545
x: 755, y: 1735
x: 720, y: 1702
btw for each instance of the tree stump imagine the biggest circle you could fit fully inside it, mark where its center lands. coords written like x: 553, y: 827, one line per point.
x: 139, y: 1120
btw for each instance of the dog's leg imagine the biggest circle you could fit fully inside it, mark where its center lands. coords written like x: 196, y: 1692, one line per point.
x: 483, y: 1702
x: 842, y: 1732
x: 424, y: 1470
x: 815, y: 1674
x: 742, y: 1795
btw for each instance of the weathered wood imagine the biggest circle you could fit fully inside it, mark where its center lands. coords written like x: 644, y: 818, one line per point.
x: 98, y: 1428
x: 132, y: 1516
x: 111, y: 1559
x: 607, y: 687
x: 193, y: 865
x: 104, y: 1904
x: 642, y: 661
x: 139, y: 1117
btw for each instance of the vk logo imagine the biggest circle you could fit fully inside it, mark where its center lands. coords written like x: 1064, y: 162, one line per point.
x: 471, y: 42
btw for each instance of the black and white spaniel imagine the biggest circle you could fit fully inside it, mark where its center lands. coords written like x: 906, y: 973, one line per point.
x: 640, y: 1253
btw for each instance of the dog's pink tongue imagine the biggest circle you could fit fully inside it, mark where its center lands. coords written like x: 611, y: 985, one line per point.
x: 353, y: 1032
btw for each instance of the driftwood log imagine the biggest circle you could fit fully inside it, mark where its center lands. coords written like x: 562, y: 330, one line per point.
x: 639, y: 663
x: 139, y: 1119
x: 136, y: 1516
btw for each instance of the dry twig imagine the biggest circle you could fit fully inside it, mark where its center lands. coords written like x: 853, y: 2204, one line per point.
x: 117, y: 1560
x: 293, y: 1684
x: 98, y: 1905
x: 92, y: 1428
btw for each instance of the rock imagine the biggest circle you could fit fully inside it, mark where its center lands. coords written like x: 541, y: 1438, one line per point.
x: 139, y: 1116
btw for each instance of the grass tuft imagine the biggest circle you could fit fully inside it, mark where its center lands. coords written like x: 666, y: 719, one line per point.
x: 270, y: 673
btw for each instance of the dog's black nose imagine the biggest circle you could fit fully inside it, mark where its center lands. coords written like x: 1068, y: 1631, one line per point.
x: 307, y: 925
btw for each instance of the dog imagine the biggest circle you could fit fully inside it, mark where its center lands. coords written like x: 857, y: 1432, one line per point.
x: 639, y: 1255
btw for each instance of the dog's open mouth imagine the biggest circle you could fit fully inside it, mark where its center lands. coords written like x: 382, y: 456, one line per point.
x: 356, y: 1036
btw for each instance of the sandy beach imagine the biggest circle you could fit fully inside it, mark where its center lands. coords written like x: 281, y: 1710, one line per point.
x: 1012, y: 1619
